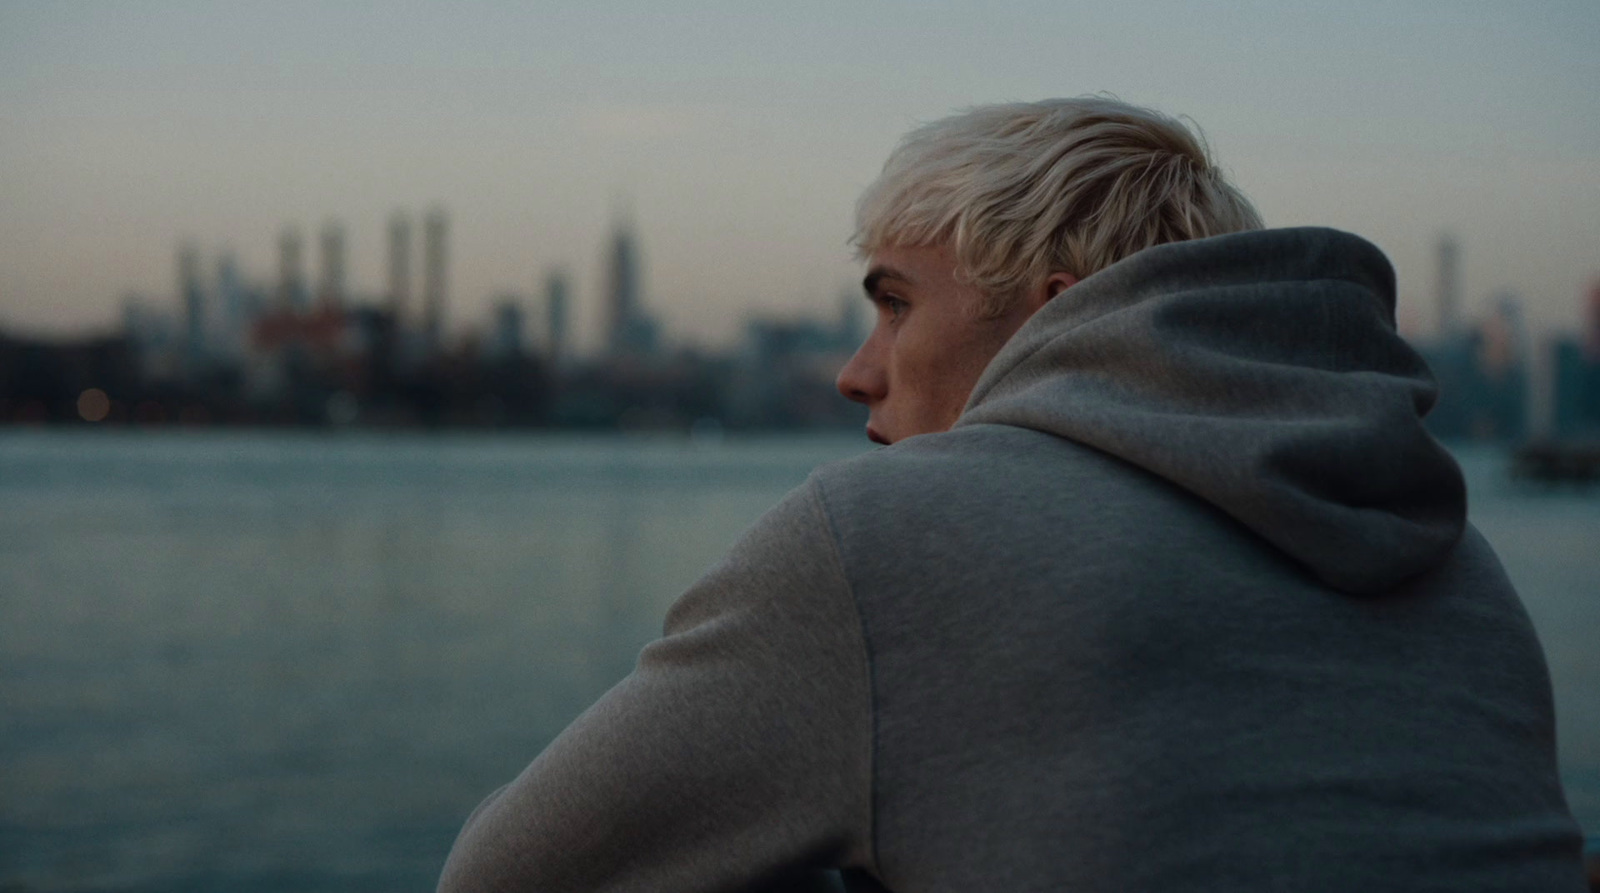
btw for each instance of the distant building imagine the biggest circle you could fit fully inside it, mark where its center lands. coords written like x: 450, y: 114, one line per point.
x: 1448, y: 286
x: 1482, y: 371
x: 292, y: 293
x: 331, y: 288
x: 555, y: 300
x: 193, y: 299
x: 434, y: 260
x: 786, y: 373
x: 631, y: 330
x: 506, y: 337
x: 1592, y: 321
x: 149, y: 335
x: 399, y: 293
x: 1575, y: 389
x: 1575, y: 377
x: 1500, y: 401
x: 233, y: 313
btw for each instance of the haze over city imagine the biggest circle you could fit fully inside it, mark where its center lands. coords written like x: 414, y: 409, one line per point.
x: 737, y: 137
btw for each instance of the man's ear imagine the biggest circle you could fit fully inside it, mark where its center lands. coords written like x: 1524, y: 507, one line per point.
x: 1053, y: 285
x: 1059, y: 282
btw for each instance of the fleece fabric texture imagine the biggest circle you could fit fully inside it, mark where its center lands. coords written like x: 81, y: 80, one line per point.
x: 1186, y: 600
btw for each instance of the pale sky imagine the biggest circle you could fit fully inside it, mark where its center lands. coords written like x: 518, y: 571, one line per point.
x: 740, y: 133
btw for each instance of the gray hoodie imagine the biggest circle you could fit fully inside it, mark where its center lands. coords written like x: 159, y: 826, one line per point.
x: 1186, y: 599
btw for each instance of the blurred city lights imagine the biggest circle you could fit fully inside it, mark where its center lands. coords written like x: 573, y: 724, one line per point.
x: 93, y: 405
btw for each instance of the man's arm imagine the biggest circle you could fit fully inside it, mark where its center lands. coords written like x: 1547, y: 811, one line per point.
x: 737, y: 752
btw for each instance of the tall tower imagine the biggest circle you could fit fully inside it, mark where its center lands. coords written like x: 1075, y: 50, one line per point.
x: 1592, y: 324
x: 506, y: 342
x: 1449, y: 287
x: 399, y: 264
x: 230, y: 301
x: 291, y: 272
x: 623, y: 291
x: 193, y: 298
x: 555, y: 300
x: 434, y: 259
x: 330, y: 291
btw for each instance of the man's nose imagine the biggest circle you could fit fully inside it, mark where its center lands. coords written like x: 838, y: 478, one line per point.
x: 862, y: 379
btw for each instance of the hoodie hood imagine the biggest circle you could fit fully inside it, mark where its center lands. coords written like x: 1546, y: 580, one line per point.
x: 1262, y: 372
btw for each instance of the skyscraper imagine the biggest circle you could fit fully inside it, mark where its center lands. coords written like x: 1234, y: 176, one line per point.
x: 631, y: 330
x: 555, y: 292
x: 399, y: 265
x: 1592, y: 323
x: 192, y: 296
x: 330, y: 290
x: 231, y: 307
x: 623, y: 287
x: 1500, y: 387
x: 1448, y: 285
x: 291, y: 273
x: 505, y: 342
x: 434, y: 259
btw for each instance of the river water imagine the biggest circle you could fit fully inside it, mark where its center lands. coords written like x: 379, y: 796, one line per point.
x: 294, y: 662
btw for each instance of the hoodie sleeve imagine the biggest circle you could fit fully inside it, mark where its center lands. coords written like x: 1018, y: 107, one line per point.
x: 737, y: 755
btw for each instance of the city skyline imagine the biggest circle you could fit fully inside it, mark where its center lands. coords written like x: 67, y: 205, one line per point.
x: 212, y: 307
x: 742, y: 138
x: 628, y: 325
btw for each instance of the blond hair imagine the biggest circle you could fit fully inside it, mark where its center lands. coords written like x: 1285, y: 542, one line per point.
x: 1023, y: 190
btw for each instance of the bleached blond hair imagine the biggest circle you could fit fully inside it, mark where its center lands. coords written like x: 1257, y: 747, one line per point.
x: 1022, y: 190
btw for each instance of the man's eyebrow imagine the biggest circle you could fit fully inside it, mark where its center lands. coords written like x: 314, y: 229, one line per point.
x: 878, y: 274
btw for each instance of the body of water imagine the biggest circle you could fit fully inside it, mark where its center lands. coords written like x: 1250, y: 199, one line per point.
x: 263, y: 661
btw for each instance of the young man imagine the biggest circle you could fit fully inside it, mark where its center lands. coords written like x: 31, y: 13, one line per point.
x: 1161, y: 583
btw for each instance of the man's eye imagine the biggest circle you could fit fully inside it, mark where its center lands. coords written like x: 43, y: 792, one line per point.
x: 894, y: 305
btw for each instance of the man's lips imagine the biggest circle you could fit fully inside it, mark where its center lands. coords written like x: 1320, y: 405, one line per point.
x: 875, y: 437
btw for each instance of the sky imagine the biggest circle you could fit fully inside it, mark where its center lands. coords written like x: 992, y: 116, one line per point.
x: 736, y: 137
